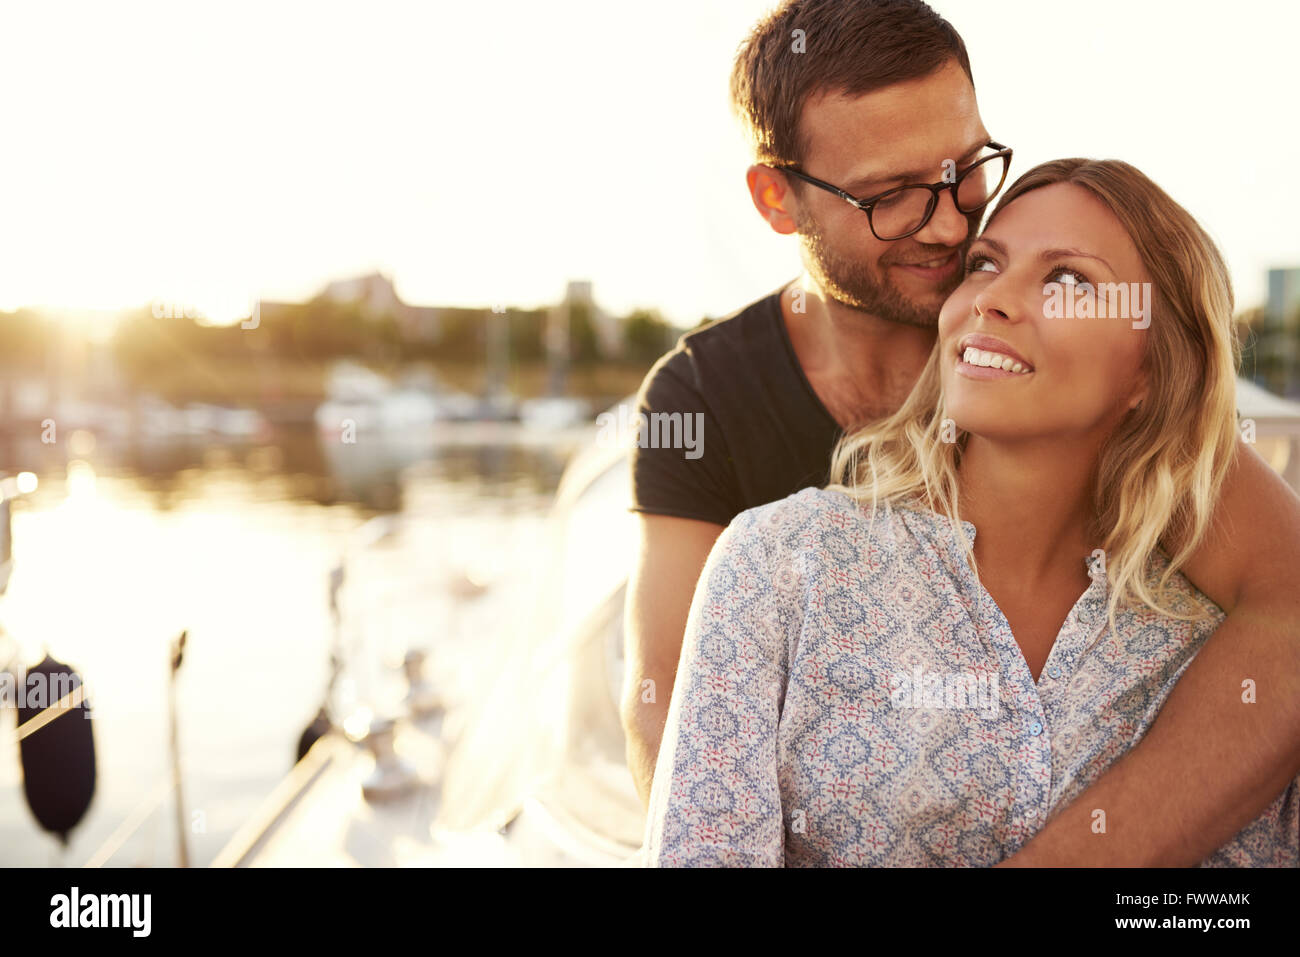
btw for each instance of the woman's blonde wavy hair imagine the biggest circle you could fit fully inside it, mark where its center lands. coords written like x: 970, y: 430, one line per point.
x: 1159, y: 473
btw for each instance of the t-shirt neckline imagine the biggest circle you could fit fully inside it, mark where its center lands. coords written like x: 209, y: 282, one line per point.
x: 793, y: 357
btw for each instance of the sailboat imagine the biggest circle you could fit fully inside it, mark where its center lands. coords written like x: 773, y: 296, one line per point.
x: 556, y: 409
x: 54, y: 730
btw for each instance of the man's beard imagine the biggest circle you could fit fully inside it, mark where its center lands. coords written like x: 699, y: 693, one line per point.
x: 854, y: 284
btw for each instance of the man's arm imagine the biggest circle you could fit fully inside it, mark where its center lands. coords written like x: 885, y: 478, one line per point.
x: 670, y: 556
x: 1211, y: 762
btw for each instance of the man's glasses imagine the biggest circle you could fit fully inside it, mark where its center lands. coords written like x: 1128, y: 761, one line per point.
x: 899, y: 212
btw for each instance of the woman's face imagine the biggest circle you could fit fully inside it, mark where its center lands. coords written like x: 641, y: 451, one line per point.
x: 1036, y: 341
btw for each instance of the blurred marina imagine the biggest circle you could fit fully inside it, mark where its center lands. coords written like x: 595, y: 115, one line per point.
x: 124, y: 546
x: 417, y: 590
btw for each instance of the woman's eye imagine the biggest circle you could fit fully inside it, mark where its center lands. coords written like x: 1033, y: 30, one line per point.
x: 980, y: 264
x: 1066, y: 276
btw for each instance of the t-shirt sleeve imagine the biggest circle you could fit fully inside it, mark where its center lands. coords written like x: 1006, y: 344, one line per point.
x: 716, y: 797
x: 697, y: 482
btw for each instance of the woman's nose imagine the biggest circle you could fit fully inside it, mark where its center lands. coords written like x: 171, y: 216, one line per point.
x: 988, y: 306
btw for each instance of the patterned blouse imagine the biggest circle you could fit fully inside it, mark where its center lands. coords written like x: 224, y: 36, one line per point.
x: 849, y: 694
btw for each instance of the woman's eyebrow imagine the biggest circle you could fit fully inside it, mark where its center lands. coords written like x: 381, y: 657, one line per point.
x: 993, y: 244
x: 1057, y: 253
x: 1046, y: 254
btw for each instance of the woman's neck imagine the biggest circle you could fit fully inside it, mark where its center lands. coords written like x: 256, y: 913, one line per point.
x: 1031, y: 505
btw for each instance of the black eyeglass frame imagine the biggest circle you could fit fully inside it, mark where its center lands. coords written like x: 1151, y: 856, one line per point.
x: 935, y: 190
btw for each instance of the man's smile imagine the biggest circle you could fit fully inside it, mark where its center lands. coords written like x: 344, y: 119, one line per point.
x: 934, y: 269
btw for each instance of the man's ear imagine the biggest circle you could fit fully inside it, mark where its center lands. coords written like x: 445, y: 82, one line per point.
x: 772, y: 197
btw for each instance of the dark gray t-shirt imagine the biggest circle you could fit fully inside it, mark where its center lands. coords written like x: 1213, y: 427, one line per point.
x: 764, y: 434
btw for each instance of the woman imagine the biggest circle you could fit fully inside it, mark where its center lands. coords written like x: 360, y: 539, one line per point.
x: 920, y: 663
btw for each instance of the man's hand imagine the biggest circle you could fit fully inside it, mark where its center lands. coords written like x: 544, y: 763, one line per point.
x: 670, y: 556
x: 1212, y: 761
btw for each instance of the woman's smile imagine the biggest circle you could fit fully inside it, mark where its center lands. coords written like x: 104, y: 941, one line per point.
x: 986, y: 357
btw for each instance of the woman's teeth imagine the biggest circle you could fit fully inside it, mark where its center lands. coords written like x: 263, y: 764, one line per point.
x: 993, y: 360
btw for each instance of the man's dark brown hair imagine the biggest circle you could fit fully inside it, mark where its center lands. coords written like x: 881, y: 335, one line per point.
x: 848, y: 46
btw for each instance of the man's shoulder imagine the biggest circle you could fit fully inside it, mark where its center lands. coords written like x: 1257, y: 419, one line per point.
x: 742, y: 336
x: 737, y: 327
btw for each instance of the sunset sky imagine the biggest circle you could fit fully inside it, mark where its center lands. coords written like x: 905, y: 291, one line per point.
x: 487, y: 152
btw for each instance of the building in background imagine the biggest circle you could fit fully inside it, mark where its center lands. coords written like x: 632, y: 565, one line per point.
x: 1284, y: 295
x: 376, y: 296
x: 1276, y: 335
x: 578, y: 297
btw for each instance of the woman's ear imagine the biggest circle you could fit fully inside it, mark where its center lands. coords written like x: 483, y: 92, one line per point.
x: 1140, y: 392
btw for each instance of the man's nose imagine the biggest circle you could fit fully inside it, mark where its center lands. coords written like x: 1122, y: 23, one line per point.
x: 948, y: 226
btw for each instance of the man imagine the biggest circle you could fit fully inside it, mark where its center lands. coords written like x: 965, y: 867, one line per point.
x: 850, y: 98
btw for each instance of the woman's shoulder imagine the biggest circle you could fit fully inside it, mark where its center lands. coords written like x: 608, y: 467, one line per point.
x: 796, y: 508
x: 800, y: 520
x: 1181, y: 596
x: 785, y: 542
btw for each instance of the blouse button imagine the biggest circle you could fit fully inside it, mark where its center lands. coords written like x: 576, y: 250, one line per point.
x: 1035, y: 729
x: 1054, y: 671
